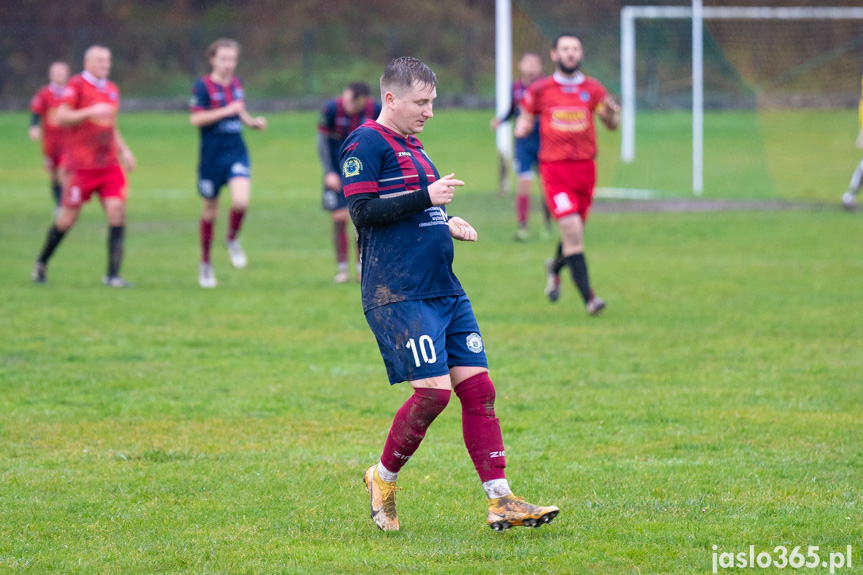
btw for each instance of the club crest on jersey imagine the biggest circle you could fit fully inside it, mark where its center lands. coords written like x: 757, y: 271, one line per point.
x: 352, y: 167
x: 474, y: 342
x: 584, y: 96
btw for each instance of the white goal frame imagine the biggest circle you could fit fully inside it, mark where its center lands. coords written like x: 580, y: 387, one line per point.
x: 698, y: 13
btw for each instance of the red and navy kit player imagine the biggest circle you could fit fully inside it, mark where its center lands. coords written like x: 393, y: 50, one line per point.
x: 565, y: 104
x: 339, y: 117
x: 44, y: 108
x: 527, y: 148
x: 218, y: 108
x: 413, y: 302
x: 94, y: 149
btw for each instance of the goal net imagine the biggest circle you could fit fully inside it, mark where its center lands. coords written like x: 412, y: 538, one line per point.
x: 780, y: 92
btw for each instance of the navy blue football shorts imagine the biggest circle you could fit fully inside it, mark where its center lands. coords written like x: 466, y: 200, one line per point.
x: 216, y: 169
x: 425, y: 338
x: 527, y: 154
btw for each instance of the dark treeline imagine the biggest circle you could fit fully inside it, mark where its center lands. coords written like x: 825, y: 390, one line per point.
x: 304, y: 50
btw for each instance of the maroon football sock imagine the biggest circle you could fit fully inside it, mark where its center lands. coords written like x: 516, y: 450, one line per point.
x: 522, y: 210
x: 410, y: 425
x: 206, y: 240
x: 234, y: 224
x: 340, y: 239
x: 480, y: 427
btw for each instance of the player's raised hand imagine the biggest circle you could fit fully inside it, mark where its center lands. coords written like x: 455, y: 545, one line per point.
x: 609, y: 113
x: 461, y: 230
x: 35, y: 133
x: 259, y: 123
x: 523, y: 125
x: 102, y: 111
x: 333, y: 182
x: 442, y: 191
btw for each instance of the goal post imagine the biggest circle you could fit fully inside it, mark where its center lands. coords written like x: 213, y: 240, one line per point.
x: 697, y: 13
x: 503, y: 74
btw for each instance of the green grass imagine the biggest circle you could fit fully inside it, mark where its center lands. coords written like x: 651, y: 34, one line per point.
x: 791, y: 155
x: 167, y: 429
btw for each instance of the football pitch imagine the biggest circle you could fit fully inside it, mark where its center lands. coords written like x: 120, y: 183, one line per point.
x: 169, y: 429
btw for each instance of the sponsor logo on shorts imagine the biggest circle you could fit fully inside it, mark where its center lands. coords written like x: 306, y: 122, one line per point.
x: 352, y: 167
x: 239, y: 169
x: 206, y: 188
x: 474, y: 342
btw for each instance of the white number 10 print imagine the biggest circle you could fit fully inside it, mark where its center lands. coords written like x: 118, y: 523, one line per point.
x: 428, y: 356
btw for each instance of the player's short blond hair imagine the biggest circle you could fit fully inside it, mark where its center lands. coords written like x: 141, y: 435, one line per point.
x: 213, y: 48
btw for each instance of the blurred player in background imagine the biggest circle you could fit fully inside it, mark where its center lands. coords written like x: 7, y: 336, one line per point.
x: 849, y: 198
x: 526, y: 149
x: 565, y: 104
x: 339, y: 117
x: 414, y: 304
x: 44, y: 107
x: 218, y: 108
x: 89, y: 108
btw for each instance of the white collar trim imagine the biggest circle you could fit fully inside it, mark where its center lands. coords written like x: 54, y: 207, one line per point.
x: 94, y: 80
x: 574, y: 81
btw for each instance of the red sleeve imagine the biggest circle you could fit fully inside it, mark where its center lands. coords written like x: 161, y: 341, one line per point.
x: 71, y: 94
x: 37, y: 104
x: 599, y: 95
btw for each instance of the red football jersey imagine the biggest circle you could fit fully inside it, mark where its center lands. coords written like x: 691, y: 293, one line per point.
x: 44, y: 104
x: 565, y: 108
x: 91, y: 144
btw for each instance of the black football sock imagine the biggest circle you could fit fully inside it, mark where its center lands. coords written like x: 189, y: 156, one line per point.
x: 115, y: 250
x: 52, y: 240
x: 57, y: 192
x: 578, y: 269
x: 559, y: 261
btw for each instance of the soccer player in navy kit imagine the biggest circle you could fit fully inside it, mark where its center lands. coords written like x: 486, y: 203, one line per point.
x: 414, y: 304
x: 218, y: 108
x: 526, y: 149
x: 339, y: 117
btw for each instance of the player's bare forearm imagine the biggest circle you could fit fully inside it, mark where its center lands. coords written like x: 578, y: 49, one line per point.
x: 202, y: 118
x: 66, y: 116
x: 610, y: 114
x: 126, y: 155
x: 256, y: 123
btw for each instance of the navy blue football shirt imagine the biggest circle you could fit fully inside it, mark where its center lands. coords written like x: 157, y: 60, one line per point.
x: 208, y: 95
x: 337, y: 124
x: 410, y: 259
